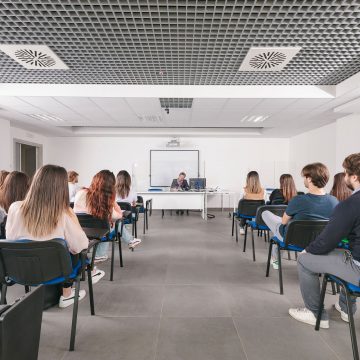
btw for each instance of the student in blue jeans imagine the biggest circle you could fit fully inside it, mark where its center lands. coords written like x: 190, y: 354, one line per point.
x: 315, y: 205
x: 322, y: 255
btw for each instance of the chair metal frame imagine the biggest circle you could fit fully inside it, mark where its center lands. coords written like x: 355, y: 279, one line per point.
x: 24, y: 262
x: 294, y: 241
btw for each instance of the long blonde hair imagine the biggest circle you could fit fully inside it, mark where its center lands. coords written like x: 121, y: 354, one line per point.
x: 253, y: 185
x: 46, y: 201
x: 123, y: 184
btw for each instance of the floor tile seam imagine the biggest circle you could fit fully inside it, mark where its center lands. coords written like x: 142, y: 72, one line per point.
x: 240, y: 339
x: 328, y: 345
x: 156, y: 345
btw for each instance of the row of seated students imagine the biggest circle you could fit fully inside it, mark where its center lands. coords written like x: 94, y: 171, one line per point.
x: 342, y: 208
x: 40, y: 210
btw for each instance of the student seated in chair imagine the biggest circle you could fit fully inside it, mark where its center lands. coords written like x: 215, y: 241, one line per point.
x: 285, y: 193
x: 3, y: 175
x: 316, y: 204
x: 180, y: 184
x: 124, y: 191
x: 252, y: 191
x: 14, y: 188
x: 99, y: 201
x: 321, y: 256
x: 45, y: 214
x: 73, y: 180
x: 340, y: 189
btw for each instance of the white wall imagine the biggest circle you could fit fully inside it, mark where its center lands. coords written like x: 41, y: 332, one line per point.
x: 7, y: 136
x: 347, y: 138
x: 318, y: 145
x: 329, y: 144
x: 226, y: 160
x: 5, y: 145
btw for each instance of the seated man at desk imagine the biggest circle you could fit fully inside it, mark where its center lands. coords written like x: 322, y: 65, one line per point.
x: 180, y: 184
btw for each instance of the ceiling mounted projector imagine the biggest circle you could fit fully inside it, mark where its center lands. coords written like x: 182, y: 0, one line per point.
x: 173, y: 143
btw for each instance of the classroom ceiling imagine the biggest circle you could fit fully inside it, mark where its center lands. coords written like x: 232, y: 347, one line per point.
x: 178, y: 42
x: 271, y: 117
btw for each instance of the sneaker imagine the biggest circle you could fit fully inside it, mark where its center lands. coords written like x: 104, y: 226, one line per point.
x: 343, y: 314
x: 135, y: 242
x: 306, y: 316
x: 97, y: 275
x: 68, y: 301
x: 242, y: 231
x: 275, y: 264
x: 99, y: 259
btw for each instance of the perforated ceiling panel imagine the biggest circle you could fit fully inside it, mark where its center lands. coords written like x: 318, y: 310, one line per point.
x: 176, y: 103
x: 182, y: 42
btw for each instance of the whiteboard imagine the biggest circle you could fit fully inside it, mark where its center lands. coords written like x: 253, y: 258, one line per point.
x: 165, y: 165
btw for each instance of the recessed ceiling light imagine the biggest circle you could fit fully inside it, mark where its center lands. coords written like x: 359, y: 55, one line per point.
x: 254, y: 118
x: 268, y: 58
x: 47, y: 118
x: 34, y: 56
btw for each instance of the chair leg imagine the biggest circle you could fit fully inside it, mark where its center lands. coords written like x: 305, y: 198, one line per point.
x: 296, y: 255
x: 144, y: 221
x: 351, y: 325
x: 237, y: 231
x: 289, y: 256
x: 120, y: 253
x: 253, y: 244
x: 333, y: 289
x: 321, y: 304
x: 91, y: 293
x: 245, y: 238
x: 147, y: 220
x: 112, y: 260
x: 74, y: 316
x: 27, y: 289
x: 269, y: 257
x: 265, y: 236
x: 3, y: 294
x: 233, y: 224
x: 280, y: 271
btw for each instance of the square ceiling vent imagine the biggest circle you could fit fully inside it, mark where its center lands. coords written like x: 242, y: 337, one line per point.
x: 268, y: 58
x: 34, y: 56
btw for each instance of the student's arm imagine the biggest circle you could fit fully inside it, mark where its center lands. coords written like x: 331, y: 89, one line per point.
x: 117, y: 212
x: 75, y: 237
x: 285, y: 219
x: 340, y: 225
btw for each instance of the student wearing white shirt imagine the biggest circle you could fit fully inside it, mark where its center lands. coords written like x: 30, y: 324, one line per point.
x: 73, y: 179
x: 123, y: 188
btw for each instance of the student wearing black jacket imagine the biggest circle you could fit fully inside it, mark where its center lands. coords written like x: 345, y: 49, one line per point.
x: 323, y: 256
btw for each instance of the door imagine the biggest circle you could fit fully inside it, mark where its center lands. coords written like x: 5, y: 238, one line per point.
x: 28, y: 157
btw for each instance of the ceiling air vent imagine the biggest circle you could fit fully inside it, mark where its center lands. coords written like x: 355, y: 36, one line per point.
x: 176, y: 103
x: 34, y: 56
x: 268, y: 58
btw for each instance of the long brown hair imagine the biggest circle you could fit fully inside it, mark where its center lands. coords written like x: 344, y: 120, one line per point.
x: 123, y: 184
x: 46, y: 201
x: 15, y: 188
x: 253, y: 185
x: 100, y: 197
x: 340, y: 189
x: 3, y: 175
x: 287, y: 187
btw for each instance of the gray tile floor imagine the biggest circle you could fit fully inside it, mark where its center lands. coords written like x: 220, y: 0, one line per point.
x: 190, y: 293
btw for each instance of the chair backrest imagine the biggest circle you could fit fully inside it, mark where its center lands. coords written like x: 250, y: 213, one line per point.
x: 302, y: 232
x: 140, y: 199
x: 89, y: 221
x: 3, y: 229
x: 249, y: 207
x: 278, y: 201
x: 275, y: 209
x: 72, y: 204
x: 34, y: 262
x: 124, y: 205
x: 148, y: 205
